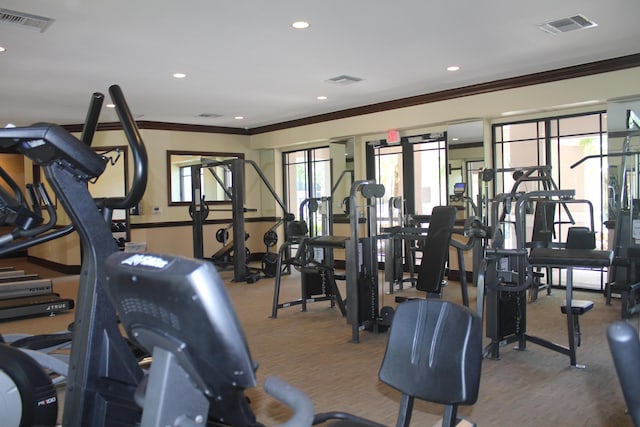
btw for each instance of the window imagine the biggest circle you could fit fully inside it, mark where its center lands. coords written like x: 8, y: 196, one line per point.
x: 415, y: 170
x: 430, y: 175
x: 307, y: 173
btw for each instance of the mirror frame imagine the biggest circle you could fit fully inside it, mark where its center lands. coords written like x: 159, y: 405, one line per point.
x: 198, y: 154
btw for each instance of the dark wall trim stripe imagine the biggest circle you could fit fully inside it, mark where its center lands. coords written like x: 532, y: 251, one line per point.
x: 466, y: 145
x: 588, y: 69
x: 583, y: 70
x: 166, y: 126
x: 207, y: 222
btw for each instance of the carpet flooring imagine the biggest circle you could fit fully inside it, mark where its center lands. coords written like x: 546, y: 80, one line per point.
x: 312, y: 351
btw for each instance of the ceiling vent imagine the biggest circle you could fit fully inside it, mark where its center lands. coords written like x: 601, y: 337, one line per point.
x: 25, y: 20
x: 344, y: 80
x: 209, y: 115
x: 564, y: 25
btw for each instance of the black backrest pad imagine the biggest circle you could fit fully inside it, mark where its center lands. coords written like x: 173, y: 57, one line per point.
x: 181, y: 305
x: 434, y: 352
x: 543, y: 222
x: 436, y: 249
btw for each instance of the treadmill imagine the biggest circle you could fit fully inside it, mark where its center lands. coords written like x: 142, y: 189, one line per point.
x: 26, y: 295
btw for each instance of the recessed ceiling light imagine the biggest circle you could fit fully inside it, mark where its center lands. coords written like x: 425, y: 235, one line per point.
x: 3, y: 49
x: 110, y: 105
x: 179, y: 75
x: 321, y: 98
x: 453, y: 68
x: 238, y: 117
x: 300, y: 25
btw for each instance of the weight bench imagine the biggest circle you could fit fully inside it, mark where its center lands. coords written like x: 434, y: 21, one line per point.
x: 568, y: 259
x: 318, y: 278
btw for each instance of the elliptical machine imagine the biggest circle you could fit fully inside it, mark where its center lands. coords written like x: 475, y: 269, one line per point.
x: 103, y: 372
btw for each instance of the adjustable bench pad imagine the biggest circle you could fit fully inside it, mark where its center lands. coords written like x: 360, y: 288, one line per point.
x: 553, y: 257
x: 578, y: 306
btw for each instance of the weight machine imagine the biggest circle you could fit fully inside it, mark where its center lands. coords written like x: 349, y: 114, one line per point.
x: 624, y: 205
x: 507, y: 273
x: 314, y: 256
x: 361, y: 253
x: 543, y: 225
x: 398, y: 249
x: 241, y: 271
x: 361, y: 260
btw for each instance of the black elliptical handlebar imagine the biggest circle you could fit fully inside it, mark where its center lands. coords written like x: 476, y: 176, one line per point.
x: 139, y: 182
x: 91, y: 120
x: 27, y: 226
x: 140, y: 161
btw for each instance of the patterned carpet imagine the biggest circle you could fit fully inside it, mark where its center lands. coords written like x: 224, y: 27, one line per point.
x: 312, y: 351
x: 537, y: 387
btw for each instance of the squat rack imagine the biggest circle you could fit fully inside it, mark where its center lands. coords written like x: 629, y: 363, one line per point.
x: 236, y: 194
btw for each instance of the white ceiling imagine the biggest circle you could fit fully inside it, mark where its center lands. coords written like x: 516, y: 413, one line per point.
x: 243, y: 58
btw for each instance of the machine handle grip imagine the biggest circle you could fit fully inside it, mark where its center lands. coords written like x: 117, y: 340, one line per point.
x: 140, y: 162
x: 91, y: 121
x: 292, y: 397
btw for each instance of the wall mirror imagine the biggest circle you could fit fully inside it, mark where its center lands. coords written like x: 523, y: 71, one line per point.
x: 342, y: 154
x: 465, y: 135
x: 114, y: 180
x: 465, y: 149
x: 215, y: 180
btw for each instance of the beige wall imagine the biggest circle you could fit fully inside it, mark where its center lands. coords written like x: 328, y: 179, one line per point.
x: 13, y: 165
x: 566, y: 96
x: 592, y: 92
x: 176, y: 240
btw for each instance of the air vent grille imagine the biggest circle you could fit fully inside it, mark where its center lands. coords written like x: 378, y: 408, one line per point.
x: 209, y: 115
x: 565, y: 25
x: 25, y: 20
x: 344, y: 80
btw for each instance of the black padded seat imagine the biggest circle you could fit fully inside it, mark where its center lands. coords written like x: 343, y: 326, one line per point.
x: 327, y: 241
x: 555, y: 257
x: 578, y: 306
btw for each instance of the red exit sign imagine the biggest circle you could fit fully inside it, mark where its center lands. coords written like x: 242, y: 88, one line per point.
x: 393, y: 136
